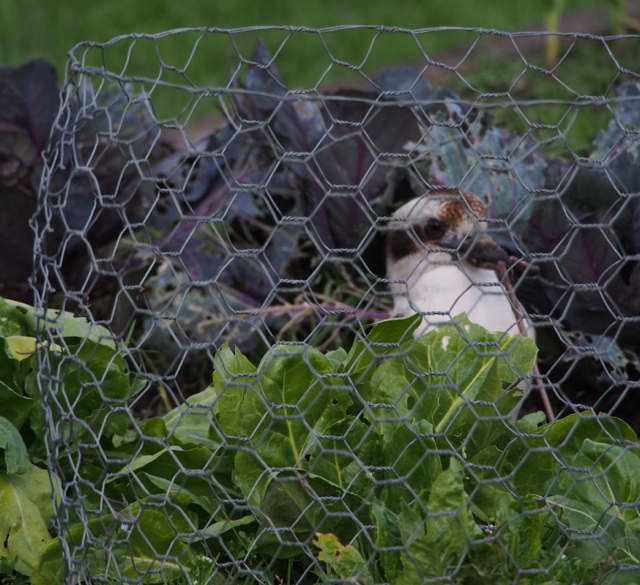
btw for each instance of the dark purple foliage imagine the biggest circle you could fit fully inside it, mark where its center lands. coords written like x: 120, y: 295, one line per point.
x: 295, y: 179
x: 29, y: 102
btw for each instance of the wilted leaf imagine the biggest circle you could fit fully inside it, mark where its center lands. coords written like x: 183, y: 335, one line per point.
x: 345, y: 561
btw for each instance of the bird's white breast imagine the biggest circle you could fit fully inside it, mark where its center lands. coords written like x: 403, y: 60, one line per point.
x: 441, y: 291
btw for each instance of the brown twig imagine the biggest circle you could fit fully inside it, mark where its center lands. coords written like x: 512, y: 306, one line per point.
x: 328, y: 308
x: 519, y: 315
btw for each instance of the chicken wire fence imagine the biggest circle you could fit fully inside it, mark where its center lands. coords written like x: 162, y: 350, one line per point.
x: 223, y: 399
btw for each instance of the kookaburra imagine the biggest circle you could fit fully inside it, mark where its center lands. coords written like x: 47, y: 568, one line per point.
x: 441, y: 262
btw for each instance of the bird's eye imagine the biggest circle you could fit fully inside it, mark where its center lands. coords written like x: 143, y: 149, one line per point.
x: 434, y: 228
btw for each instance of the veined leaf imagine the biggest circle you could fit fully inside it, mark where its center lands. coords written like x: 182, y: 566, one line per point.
x: 345, y: 561
x: 27, y: 507
x: 343, y: 454
x: 234, y: 382
x: 448, y: 530
x: 16, y: 459
x: 383, y: 338
x: 132, y: 545
x: 293, y: 391
x: 66, y: 324
x: 596, y: 535
x: 297, y: 384
x: 604, y: 476
x: 413, y: 461
x: 453, y: 372
x: 533, y: 460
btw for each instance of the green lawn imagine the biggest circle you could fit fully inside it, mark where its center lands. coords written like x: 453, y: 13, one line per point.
x: 46, y: 28
x: 173, y: 63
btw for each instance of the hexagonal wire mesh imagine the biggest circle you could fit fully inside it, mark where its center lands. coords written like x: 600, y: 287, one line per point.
x: 242, y: 227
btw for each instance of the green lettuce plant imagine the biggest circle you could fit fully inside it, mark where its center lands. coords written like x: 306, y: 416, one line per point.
x: 397, y: 461
x: 86, y: 370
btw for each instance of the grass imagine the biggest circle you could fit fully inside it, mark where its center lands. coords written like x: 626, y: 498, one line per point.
x: 564, y: 117
x: 40, y: 28
x: 174, y: 63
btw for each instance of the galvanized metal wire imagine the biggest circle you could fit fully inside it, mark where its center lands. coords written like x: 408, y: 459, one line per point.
x: 177, y: 214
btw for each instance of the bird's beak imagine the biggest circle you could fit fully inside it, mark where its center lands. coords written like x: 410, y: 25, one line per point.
x: 478, y: 249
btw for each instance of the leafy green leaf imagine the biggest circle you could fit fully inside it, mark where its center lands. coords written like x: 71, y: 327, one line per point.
x: 391, y: 395
x: 138, y: 544
x: 288, y: 503
x: 525, y: 524
x: 448, y: 506
x: 15, y: 407
x: 533, y: 460
x: 414, y: 463
x: 27, y: 507
x: 463, y: 355
x: 134, y: 441
x: 16, y: 458
x: 218, y: 528
x: 8, y: 363
x: 309, y: 442
x: 530, y: 423
x: 196, y: 469
x: 598, y: 535
x: 169, y: 489
x: 433, y: 551
x: 293, y: 391
x: 21, y: 346
x: 234, y: 382
x: 66, y: 324
x: 383, y: 338
x: 343, y: 455
x: 193, y: 421
x: 604, y: 476
x: 93, y: 384
x: 388, y: 537
x: 491, y: 491
x: 337, y: 357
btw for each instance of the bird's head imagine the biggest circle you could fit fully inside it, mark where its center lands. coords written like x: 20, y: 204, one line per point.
x: 444, y: 222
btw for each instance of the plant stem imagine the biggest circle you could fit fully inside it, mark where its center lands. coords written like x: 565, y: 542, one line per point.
x: 518, y: 313
x: 327, y: 308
